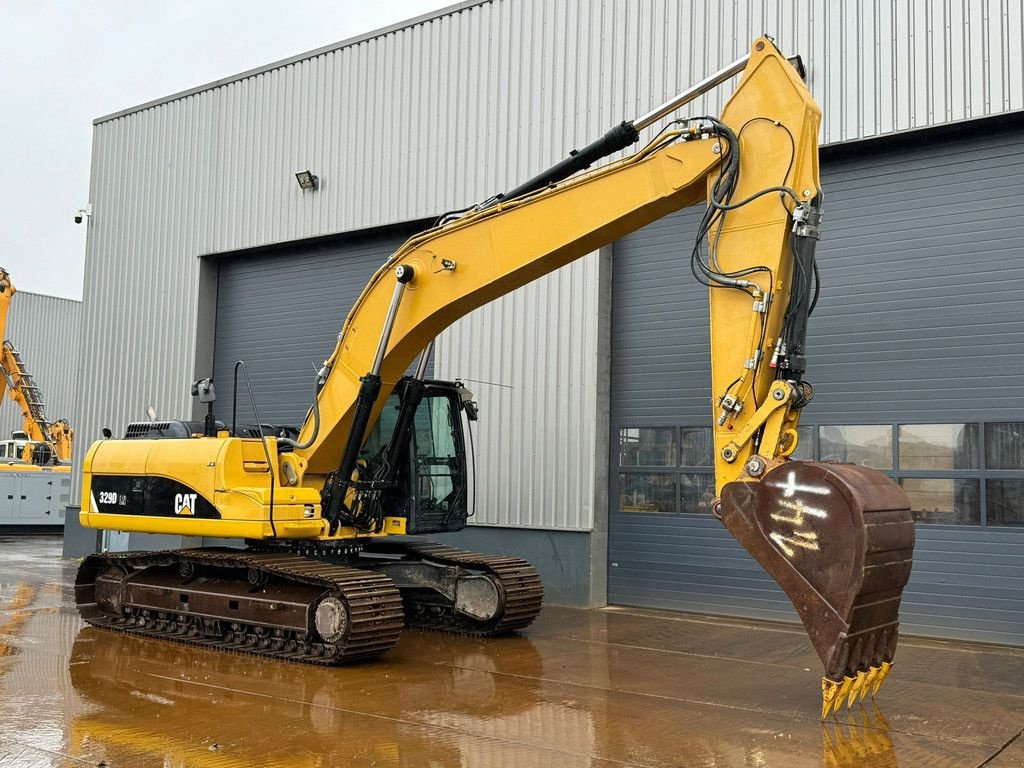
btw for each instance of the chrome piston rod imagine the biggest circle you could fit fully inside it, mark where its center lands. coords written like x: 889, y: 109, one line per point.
x: 691, y: 93
x: 403, y: 274
x: 421, y: 368
x: 615, y: 139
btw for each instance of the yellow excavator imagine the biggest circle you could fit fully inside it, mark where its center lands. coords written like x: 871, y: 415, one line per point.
x: 40, y: 442
x: 328, y: 575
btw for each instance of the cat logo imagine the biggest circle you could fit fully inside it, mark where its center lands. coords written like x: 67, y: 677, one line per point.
x: 185, y: 503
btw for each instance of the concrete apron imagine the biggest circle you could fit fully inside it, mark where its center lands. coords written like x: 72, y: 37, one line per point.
x: 616, y: 687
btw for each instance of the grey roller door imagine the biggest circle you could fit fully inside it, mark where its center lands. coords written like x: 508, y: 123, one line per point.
x: 919, y: 323
x: 281, y: 311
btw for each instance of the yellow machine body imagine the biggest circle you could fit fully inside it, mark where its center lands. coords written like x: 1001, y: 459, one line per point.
x: 222, y: 490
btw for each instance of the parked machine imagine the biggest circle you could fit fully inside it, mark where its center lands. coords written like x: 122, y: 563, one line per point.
x: 328, y: 576
x: 35, y: 479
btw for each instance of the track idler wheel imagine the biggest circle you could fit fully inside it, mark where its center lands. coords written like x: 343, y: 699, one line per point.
x: 838, y: 539
x: 331, y: 619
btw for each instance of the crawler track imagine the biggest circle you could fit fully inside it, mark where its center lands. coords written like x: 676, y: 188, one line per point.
x: 519, y: 586
x: 374, y: 607
x: 275, y: 594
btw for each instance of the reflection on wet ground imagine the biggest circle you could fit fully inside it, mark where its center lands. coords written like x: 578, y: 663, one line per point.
x: 581, y: 688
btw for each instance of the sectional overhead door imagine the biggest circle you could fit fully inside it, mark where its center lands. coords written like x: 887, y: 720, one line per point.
x: 916, y: 352
x: 280, y: 311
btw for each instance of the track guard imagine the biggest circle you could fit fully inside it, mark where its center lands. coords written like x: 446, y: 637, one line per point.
x: 839, y: 540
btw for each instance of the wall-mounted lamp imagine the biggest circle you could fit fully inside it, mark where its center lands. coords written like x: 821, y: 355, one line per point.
x: 307, y: 179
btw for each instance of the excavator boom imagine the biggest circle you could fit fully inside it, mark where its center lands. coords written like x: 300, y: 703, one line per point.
x: 837, y: 538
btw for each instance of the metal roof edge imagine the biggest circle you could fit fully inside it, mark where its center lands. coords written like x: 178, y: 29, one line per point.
x: 996, y: 120
x: 49, y: 296
x: 450, y: 10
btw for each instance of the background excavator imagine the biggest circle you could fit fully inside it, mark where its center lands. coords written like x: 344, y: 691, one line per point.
x: 40, y: 442
x: 327, y: 575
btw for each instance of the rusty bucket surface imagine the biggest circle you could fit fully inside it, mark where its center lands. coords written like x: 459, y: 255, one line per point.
x: 839, y: 540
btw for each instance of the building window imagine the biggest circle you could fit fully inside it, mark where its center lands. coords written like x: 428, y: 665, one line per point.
x: 666, y: 470
x: 951, y: 474
x: 647, y: 492
x: 966, y: 473
x: 1005, y: 502
x: 1004, y: 445
x: 806, y: 444
x: 698, y: 447
x: 866, y: 444
x: 943, y: 500
x: 697, y: 491
x: 647, y: 447
x: 938, y: 446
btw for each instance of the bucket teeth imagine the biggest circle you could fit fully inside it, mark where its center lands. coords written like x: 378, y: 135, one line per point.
x: 844, y: 691
x: 869, y: 680
x: 829, y: 691
x: 832, y: 694
x: 854, y: 688
x: 883, y: 672
x: 858, y: 683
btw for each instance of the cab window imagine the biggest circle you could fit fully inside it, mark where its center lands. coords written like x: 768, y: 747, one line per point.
x: 437, y: 462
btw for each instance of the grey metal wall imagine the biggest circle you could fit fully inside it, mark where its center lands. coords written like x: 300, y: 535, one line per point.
x: 45, y: 331
x: 531, y: 359
x: 436, y: 114
x: 281, y: 312
x: 921, y: 263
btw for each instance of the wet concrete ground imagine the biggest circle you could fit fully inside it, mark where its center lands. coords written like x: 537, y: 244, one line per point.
x: 618, y: 687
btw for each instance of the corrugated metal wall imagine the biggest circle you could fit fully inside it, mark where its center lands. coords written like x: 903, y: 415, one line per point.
x: 442, y: 113
x: 531, y: 360
x: 921, y: 270
x: 45, y: 331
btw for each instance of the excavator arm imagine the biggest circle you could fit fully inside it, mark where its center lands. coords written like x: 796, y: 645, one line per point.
x: 444, y: 273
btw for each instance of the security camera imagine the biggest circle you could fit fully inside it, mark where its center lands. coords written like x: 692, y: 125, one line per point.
x: 83, y: 213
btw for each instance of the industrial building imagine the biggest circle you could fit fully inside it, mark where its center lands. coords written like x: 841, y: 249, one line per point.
x: 592, y: 453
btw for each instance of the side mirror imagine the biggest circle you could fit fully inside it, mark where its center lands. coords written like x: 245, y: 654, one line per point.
x: 469, y: 405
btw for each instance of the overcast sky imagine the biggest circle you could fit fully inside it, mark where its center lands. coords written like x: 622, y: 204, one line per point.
x: 62, y: 64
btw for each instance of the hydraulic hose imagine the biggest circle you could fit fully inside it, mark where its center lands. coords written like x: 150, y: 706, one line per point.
x: 316, y: 419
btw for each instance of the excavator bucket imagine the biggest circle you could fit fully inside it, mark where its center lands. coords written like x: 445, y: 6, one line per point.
x: 838, y: 539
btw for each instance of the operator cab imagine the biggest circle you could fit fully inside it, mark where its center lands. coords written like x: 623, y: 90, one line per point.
x: 430, y: 485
